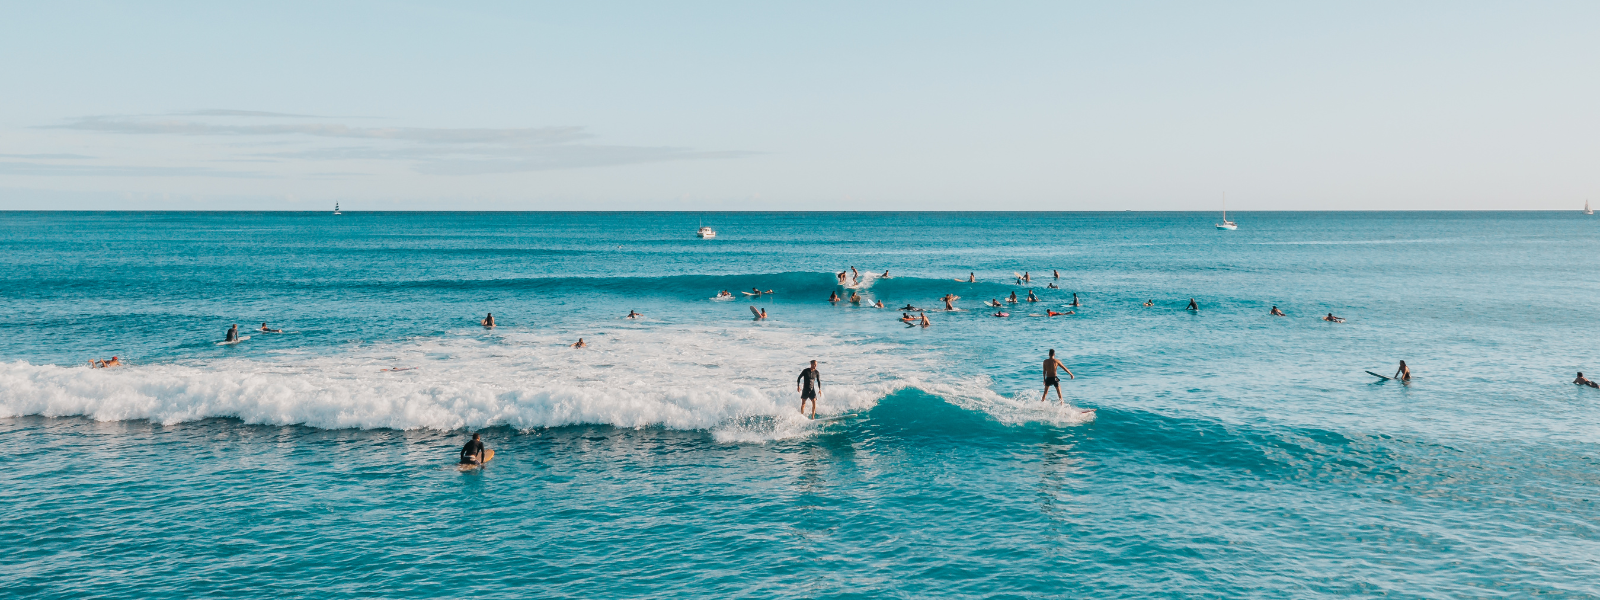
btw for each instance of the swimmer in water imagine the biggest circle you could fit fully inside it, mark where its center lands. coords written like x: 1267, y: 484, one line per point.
x: 1056, y: 273
x: 1192, y: 306
x: 762, y: 316
x: 1052, y: 286
x: 855, y: 298
x: 233, y: 334
x: 947, y: 304
x: 833, y: 296
x: 925, y: 321
x: 1050, y: 379
x: 1026, y: 277
x: 633, y: 315
x: 1403, y: 373
x: 579, y: 344
x: 488, y: 321
x: 1277, y: 313
x: 264, y: 329
x: 1581, y: 380
x: 879, y: 304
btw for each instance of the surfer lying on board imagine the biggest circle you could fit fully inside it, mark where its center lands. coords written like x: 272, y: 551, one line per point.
x: 633, y: 315
x: 1276, y: 312
x: 1192, y: 306
x: 233, y: 333
x: 1403, y: 373
x: 909, y: 307
x: 1051, y: 313
x: 808, y: 384
x: 1050, y: 378
x: 488, y: 321
x: 579, y: 344
x: 1052, y: 286
x: 264, y: 329
x: 1580, y: 380
x: 113, y: 362
x: 1332, y: 319
x: 472, y: 453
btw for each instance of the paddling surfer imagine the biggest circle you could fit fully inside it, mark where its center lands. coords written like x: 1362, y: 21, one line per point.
x: 808, y: 384
x: 633, y: 315
x: 1276, y: 312
x: 1332, y: 319
x: 1050, y: 379
x: 580, y: 344
x: 1581, y: 380
x: 264, y: 329
x: 472, y: 453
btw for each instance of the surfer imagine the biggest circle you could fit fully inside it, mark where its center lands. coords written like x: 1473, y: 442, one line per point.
x: 947, y: 304
x: 489, y: 320
x: 878, y: 305
x: 855, y: 298
x: 1276, y: 312
x: 472, y: 453
x: 1052, y: 286
x: 1051, y: 313
x: 1031, y: 297
x: 264, y: 329
x: 833, y: 296
x: 1056, y: 273
x: 906, y: 317
x: 580, y: 344
x: 854, y: 274
x: 1075, y: 301
x: 1026, y: 278
x: 1403, y: 373
x: 908, y: 307
x: 885, y: 274
x: 113, y: 362
x: 725, y: 294
x: 1150, y: 302
x: 808, y: 384
x: 841, y: 277
x: 1013, y: 298
x: 925, y: 321
x: 233, y: 333
x: 1050, y: 378
x: 1192, y: 306
x: 633, y: 315
x: 762, y: 315
x: 1332, y: 319
x: 755, y: 291
x: 1580, y: 380
x: 972, y: 277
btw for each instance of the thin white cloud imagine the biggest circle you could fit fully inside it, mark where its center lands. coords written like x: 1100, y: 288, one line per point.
x: 222, y: 112
x: 46, y: 156
x: 145, y: 126
x: 57, y: 170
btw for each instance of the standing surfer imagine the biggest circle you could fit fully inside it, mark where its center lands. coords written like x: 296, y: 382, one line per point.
x: 1050, y: 378
x: 808, y: 384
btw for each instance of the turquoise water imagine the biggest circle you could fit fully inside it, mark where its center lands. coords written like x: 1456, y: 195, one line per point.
x: 1232, y: 454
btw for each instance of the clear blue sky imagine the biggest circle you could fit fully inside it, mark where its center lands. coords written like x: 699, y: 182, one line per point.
x: 740, y: 105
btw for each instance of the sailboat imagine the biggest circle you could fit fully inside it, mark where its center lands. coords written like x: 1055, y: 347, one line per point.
x: 1226, y: 224
x: 336, y: 209
x: 1586, y: 209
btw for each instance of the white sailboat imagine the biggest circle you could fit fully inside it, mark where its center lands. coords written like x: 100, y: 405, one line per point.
x: 1226, y: 224
x: 336, y: 209
x: 1586, y: 209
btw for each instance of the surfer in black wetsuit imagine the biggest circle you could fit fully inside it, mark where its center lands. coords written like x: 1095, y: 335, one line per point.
x: 1050, y: 365
x: 472, y: 453
x: 1580, y: 380
x: 808, y: 384
x: 233, y: 333
x: 1192, y: 306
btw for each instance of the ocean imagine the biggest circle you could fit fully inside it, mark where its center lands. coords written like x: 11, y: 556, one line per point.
x: 1231, y: 454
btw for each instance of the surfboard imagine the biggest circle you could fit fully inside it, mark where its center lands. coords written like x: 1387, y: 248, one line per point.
x: 1002, y: 314
x: 835, y: 418
x: 1378, y: 376
x: 721, y: 298
x: 488, y: 455
x: 241, y: 338
x: 755, y: 311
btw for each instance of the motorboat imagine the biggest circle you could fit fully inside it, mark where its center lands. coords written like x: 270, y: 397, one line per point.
x: 705, y: 233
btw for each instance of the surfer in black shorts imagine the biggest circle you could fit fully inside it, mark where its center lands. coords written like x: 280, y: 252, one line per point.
x: 808, y: 384
x: 1050, y: 365
x: 1580, y: 380
x: 472, y: 453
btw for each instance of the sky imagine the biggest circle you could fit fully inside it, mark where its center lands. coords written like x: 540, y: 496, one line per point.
x: 799, y: 106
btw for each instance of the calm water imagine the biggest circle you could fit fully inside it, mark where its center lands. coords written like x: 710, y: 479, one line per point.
x: 1233, y: 454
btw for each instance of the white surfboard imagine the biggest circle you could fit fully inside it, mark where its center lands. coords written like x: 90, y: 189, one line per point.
x: 241, y: 338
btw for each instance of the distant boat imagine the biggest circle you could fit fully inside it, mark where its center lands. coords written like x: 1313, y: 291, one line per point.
x: 1586, y: 209
x: 706, y: 233
x: 1226, y: 224
x: 336, y: 209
